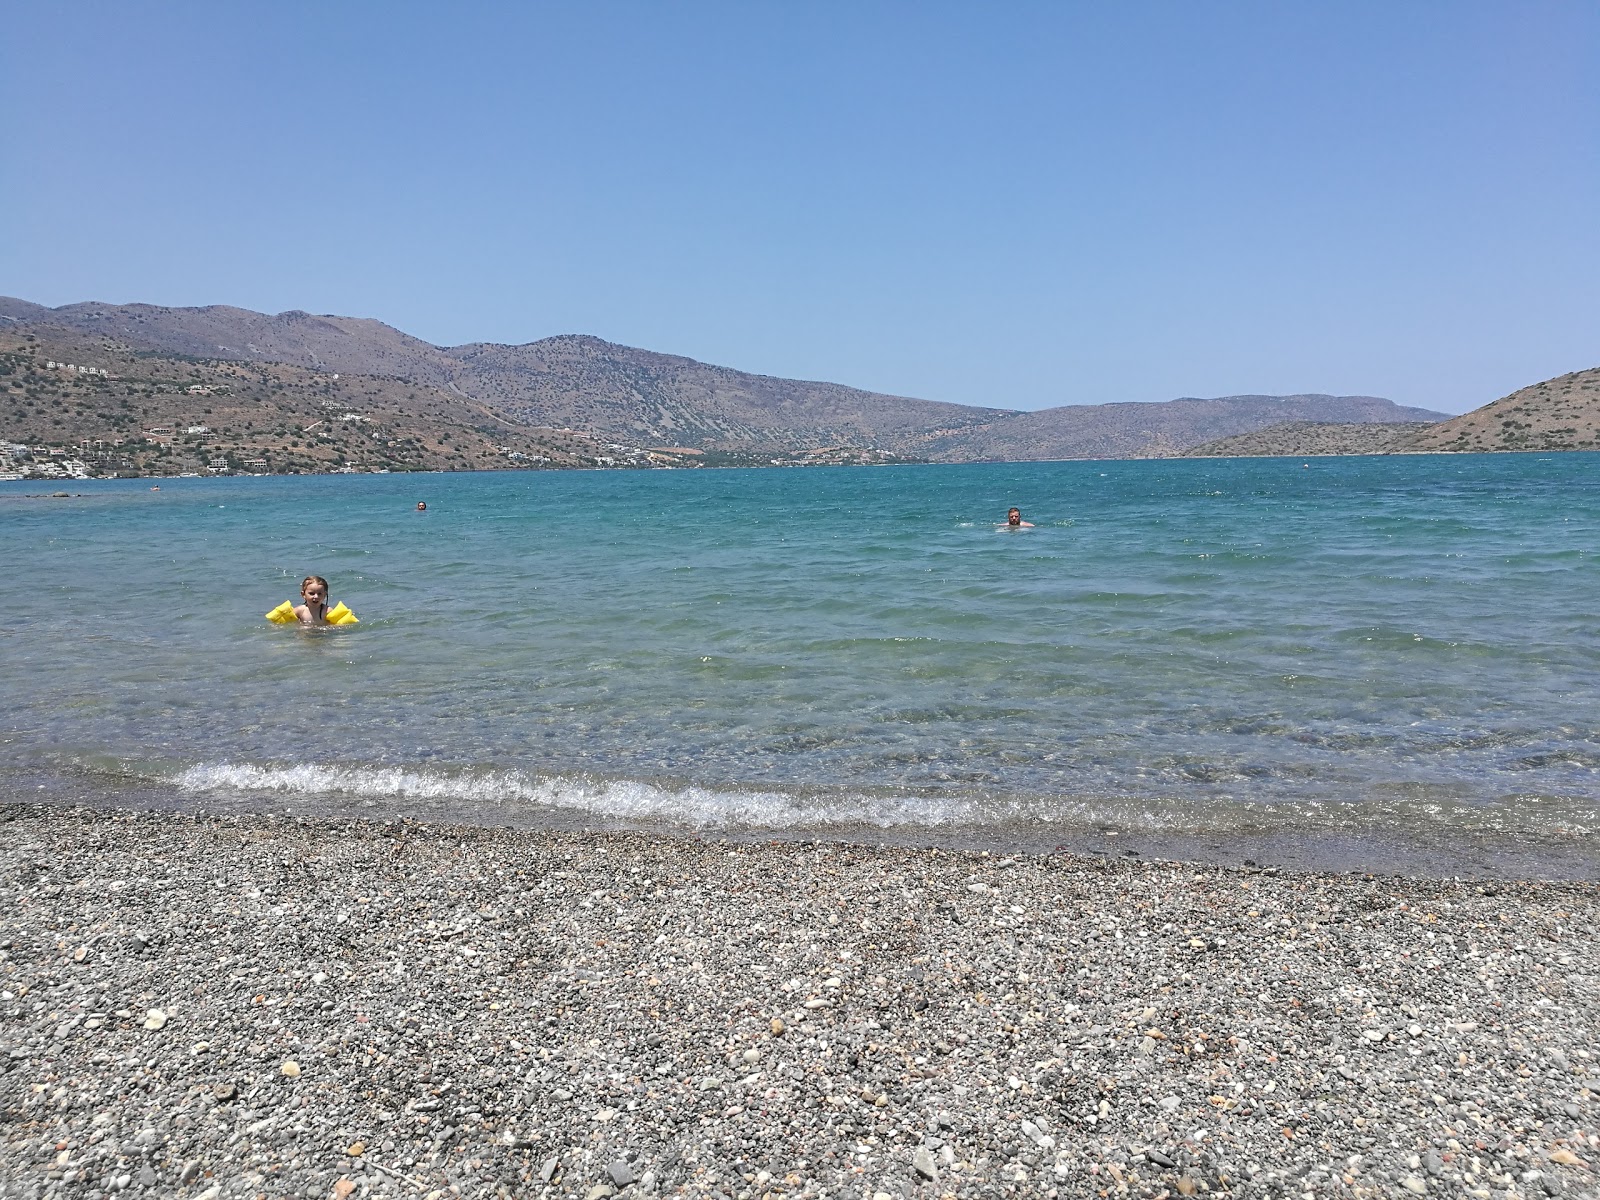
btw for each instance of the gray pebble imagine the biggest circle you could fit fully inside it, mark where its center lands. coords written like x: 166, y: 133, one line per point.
x: 498, y: 995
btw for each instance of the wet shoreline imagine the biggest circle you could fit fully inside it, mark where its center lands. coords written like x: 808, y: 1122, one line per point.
x: 1442, y: 852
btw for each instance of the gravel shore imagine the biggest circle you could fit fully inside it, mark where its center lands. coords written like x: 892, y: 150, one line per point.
x: 260, y: 1006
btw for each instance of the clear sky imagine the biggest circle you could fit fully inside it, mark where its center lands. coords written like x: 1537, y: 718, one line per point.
x: 1012, y: 204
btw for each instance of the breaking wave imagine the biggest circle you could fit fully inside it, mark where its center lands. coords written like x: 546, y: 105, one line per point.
x: 478, y: 795
x: 522, y: 798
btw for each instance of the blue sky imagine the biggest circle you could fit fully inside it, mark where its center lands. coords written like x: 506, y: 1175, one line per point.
x: 1011, y: 204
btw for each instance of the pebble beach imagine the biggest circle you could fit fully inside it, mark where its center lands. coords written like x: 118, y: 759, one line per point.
x: 257, y: 1006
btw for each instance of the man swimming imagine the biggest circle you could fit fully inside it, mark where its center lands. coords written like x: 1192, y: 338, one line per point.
x: 1014, y: 520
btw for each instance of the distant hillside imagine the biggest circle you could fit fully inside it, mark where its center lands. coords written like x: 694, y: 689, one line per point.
x: 1307, y: 439
x: 614, y: 400
x: 113, y: 409
x: 350, y: 345
x: 610, y: 391
x: 1558, y: 414
x: 1152, y: 430
x: 639, y: 394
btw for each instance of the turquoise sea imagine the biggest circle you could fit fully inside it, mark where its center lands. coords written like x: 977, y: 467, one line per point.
x: 1378, y: 663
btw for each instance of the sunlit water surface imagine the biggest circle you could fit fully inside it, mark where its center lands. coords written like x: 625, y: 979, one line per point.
x: 1384, y: 662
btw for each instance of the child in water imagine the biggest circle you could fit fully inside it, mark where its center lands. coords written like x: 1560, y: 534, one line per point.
x: 314, y: 591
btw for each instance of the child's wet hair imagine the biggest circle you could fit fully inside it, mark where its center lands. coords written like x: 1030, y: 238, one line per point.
x: 310, y: 579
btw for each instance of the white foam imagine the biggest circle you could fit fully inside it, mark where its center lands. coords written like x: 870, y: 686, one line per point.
x: 477, y: 792
x: 511, y: 795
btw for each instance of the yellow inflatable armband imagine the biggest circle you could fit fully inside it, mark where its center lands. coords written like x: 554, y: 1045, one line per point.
x: 340, y: 615
x: 337, y: 615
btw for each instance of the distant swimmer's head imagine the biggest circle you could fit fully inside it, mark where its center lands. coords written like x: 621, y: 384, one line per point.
x: 1014, y: 516
x: 422, y: 506
x: 314, y: 589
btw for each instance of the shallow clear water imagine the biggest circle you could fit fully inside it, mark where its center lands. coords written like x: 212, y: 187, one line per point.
x: 1390, y: 649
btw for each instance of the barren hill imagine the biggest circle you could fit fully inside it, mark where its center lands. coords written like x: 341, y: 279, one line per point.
x: 636, y: 394
x: 639, y: 398
x: 1558, y: 414
x: 1153, y: 430
x: 120, y: 409
x: 1307, y: 439
x: 218, y: 331
x: 581, y: 382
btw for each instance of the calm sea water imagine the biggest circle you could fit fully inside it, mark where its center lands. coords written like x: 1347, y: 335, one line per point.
x: 1386, y: 658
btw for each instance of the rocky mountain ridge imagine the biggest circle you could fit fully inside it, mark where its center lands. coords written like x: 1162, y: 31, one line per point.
x: 1558, y: 414
x: 608, y: 393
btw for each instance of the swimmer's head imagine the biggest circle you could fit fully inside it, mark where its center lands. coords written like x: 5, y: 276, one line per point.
x: 422, y: 506
x: 314, y: 588
x: 1013, y: 516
